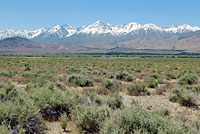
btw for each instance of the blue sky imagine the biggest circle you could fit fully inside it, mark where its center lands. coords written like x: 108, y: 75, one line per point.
x: 33, y: 14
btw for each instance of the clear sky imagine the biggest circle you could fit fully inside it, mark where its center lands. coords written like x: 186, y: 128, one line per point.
x: 33, y: 14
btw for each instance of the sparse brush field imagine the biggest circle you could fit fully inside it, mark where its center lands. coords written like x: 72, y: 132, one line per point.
x: 99, y: 95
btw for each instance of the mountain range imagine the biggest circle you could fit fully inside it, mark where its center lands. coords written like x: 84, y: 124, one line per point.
x: 104, y: 37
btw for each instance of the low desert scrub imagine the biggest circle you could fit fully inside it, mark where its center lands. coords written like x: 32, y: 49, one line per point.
x: 138, y: 71
x: 107, y: 84
x: 155, y: 76
x: 160, y: 81
x: 151, y: 82
x: 115, y: 101
x: 6, y: 73
x: 163, y: 88
x: 89, y: 118
x: 96, y: 99
x: 162, y: 112
x: 184, y: 97
x: 48, y: 95
x: 4, y: 129
x: 137, y: 120
x: 170, y: 75
x: 195, y: 89
x: 109, y: 87
x: 63, y: 121
x: 111, y: 76
x: 27, y: 67
x: 137, y: 90
x: 29, y: 74
x: 124, y: 76
x: 188, y: 79
x: 16, y: 112
x: 76, y: 80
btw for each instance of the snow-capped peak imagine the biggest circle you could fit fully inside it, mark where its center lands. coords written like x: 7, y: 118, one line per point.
x: 182, y: 28
x: 97, y: 28
x: 152, y: 27
x: 98, y: 22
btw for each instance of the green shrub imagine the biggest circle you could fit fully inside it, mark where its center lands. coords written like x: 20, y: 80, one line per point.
x: 9, y: 87
x: 4, y: 129
x: 136, y: 120
x: 137, y: 90
x: 160, y: 81
x: 107, y: 84
x: 50, y: 75
x: 48, y: 95
x: 51, y: 100
x: 96, y: 100
x: 77, y: 80
x: 8, y: 94
x: 184, y: 97
x: 187, y: 98
x: 124, y: 76
x: 155, y: 76
x: 95, y: 72
x: 17, y: 110
x: 173, y: 98
x: 110, y: 127
x: 5, y: 73
x: 151, y: 82
x: 195, y: 89
x: 188, y: 79
x: 138, y: 71
x: 89, y: 118
x: 63, y: 121
x: 181, y: 73
x: 27, y: 67
x: 115, y: 101
x: 111, y: 76
x: 16, y: 107
x: 197, y: 124
x: 171, y: 75
x: 29, y: 74
x: 108, y: 89
x: 162, y: 112
x: 160, y: 90
x: 73, y: 70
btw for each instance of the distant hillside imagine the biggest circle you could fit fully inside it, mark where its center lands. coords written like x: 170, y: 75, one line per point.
x: 18, y: 43
x: 191, y: 43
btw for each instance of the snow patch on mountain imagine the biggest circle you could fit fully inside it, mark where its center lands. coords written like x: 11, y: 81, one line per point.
x: 182, y: 29
x: 97, y: 28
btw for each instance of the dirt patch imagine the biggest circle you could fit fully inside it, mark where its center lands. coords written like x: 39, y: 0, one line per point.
x: 55, y: 128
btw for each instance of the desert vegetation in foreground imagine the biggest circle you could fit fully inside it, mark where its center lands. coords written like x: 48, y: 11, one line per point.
x: 99, y: 95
